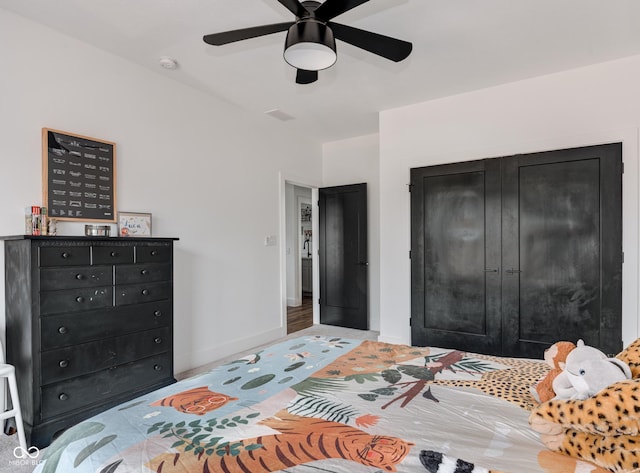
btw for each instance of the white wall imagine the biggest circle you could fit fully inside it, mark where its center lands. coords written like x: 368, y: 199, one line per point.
x: 353, y: 161
x: 182, y: 155
x: 591, y: 105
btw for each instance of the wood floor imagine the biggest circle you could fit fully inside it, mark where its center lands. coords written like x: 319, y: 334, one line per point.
x: 300, y: 317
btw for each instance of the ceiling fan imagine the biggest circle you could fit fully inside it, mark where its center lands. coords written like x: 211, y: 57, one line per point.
x: 310, y: 45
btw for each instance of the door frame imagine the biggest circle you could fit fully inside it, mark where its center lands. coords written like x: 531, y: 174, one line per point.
x: 284, y: 179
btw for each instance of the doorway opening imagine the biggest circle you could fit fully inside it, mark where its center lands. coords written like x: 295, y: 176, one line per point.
x: 300, y: 249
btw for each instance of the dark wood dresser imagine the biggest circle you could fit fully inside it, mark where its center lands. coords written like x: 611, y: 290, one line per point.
x: 89, y: 324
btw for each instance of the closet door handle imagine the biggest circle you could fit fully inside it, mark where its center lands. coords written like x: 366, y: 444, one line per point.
x: 495, y: 270
x: 513, y: 271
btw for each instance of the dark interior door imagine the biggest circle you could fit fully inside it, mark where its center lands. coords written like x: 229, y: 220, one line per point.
x: 562, y: 249
x: 455, y: 258
x: 546, y: 229
x: 343, y: 256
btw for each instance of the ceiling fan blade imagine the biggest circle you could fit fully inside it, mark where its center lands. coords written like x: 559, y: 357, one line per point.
x: 295, y: 7
x: 226, y: 37
x: 306, y: 77
x: 332, y: 8
x: 385, y: 46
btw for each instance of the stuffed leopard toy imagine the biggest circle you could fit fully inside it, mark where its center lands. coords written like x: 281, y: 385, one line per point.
x: 603, y: 429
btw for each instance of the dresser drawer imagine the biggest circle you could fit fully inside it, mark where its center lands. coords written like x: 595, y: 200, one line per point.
x: 70, y: 362
x: 72, y: 300
x: 138, y: 293
x: 64, y: 256
x: 75, y: 276
x: 140, y: 345
x: 71, y: 329
x: 153, y: 254
x: 140, y: 273
x: 112, y: 254
x: 84, y: 391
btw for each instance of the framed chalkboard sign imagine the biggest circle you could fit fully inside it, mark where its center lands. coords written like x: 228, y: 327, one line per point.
x: 78, y: 177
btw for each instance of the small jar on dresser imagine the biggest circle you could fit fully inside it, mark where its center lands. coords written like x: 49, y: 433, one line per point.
x: 89, y: 325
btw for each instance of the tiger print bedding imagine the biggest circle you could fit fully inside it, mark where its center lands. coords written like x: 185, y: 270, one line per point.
x: 325, y: 405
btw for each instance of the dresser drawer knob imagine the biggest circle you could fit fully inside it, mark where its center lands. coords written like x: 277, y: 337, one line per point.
x: 62, y: 330
x: 158, y: 340
x: 80, y: 277
x: 144, y: 272
x: 157, y: 367
x: 158, y: 313
x: 63, y: 363
x: 80, y: 299
x: 154, y: 253
x: 145, y: 292
x: 65, y: 255
x: 114, y: 253
x: 63, y: 396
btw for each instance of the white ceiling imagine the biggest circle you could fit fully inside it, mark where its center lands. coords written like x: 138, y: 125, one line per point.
x: 458, y: 46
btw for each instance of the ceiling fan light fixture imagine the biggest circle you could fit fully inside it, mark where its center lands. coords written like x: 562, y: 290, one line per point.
x: 310, y: 46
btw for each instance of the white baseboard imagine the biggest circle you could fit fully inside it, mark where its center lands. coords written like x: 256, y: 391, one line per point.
x: 395, y: 340
x: 225, y: 350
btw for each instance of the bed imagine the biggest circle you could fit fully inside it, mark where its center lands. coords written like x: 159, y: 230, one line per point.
x: 322, y: 405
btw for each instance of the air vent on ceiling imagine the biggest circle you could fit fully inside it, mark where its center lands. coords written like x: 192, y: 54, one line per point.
x: 279, y: 114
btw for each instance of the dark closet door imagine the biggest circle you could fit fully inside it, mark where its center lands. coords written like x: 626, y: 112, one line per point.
x: 343, y: 256
x: 455, y: 261
x: 562, y: 249
x: 546, y: 230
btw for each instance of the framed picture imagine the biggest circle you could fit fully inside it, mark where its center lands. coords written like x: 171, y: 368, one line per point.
x: 78, y: 177
x: 134, y: 224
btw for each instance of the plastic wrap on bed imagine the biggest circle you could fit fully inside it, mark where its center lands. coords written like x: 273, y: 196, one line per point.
x: 322, y: 404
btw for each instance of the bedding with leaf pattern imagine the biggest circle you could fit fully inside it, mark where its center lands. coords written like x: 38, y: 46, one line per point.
x: 324, y: 405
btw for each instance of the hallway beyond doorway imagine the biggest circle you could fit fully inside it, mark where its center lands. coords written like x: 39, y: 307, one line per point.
x: 300, y: 317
